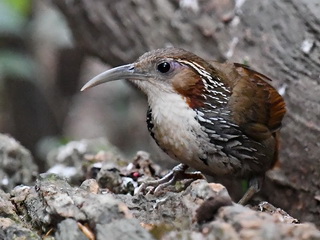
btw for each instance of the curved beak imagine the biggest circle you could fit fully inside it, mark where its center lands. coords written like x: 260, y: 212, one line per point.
x: 122, y: 72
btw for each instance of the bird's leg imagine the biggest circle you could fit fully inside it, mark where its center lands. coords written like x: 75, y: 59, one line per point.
x: 254, y: 187
x: 177, y: 173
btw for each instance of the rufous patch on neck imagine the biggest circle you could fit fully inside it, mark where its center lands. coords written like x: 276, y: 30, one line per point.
x: 190, y: 85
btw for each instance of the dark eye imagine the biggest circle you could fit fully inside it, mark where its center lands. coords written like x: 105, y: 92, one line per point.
x: 164, y: 67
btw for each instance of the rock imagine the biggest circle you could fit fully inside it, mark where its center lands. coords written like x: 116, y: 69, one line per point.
x: 98, y: 159
x: 11, y: 226
x: 122, y: 177
x: 90, y: 185
x: 123, y: 229
x: 68, y: 229
x: 53, y: 199
x: 277, y: 212
x: 52, y: 202
x: 103, y: 207
x: 18, y: 232
x: 16, y: 164
x: 178, y: 209
x: 54, y: 208
x: 76, y: 159
x: 249, y: 224
x: 186, y: 213
x: 7, y: 209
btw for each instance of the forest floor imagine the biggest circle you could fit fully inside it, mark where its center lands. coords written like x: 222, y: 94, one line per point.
x: 89, y: 194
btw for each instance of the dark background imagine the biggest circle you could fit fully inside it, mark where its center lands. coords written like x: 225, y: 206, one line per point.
x: 49, y: 49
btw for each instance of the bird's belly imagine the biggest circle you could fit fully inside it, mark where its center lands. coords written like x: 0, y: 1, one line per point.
x: 174, y: 126
x: 196, y: 151
x: 186, y: 148
x: 178, y: 144
x: 189, y: 145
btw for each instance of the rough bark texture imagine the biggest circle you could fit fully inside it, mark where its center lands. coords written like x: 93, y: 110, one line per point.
x: 278, y: 38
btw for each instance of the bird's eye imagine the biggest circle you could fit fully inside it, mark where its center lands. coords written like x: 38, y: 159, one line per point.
x: 164, y: 67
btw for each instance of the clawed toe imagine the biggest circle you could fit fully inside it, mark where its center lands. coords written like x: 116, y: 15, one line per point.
x: 177, y: 173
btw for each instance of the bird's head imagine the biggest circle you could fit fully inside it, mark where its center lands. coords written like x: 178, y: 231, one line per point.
x: 168, y: 70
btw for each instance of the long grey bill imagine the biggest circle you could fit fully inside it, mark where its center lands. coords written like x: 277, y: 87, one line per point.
x: 117, y: 73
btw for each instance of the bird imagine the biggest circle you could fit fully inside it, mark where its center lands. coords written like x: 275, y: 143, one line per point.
x: 221, y: 119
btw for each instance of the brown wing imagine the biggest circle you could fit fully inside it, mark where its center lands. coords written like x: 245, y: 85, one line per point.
x: 257, y: 107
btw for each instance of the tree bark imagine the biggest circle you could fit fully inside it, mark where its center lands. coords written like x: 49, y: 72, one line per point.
x: 278, y: 38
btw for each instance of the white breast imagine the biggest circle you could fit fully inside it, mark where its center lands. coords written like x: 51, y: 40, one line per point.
x: 176, y: 128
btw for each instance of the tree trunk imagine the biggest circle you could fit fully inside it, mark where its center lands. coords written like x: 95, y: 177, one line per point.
x: 278, y: 38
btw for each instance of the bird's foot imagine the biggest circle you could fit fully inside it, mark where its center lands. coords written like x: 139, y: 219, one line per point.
x: 177, y: 173
x: 254, y: 187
